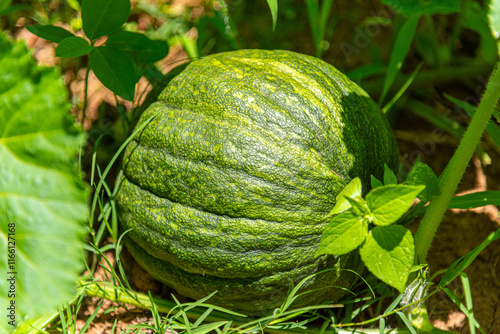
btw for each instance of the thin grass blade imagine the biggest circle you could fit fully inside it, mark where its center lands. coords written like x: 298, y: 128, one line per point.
x: 399, y: 51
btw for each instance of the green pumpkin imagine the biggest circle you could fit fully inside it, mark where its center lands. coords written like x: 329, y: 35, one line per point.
x: 227, y: 187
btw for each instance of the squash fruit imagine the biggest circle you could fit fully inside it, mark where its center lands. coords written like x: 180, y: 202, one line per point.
x: 228, y: 185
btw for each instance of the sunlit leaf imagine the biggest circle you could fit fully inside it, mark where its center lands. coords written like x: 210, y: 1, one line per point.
x: 494, y: 17
x: 353, y: 189
x: 389, y: 203
x: 344, y: 234
x: 42, y: 198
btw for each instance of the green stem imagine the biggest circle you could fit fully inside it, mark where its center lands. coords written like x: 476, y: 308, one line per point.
x: 85, y: 94
x: 455, y: 169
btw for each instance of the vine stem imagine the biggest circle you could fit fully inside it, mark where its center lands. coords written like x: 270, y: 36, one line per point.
x: 448, y: 181
x: 85, y: 94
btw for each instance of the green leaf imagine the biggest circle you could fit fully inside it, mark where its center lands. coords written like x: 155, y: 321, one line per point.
x: 50, y: 32
x: 388, y: 252
x: 147, y: 50
x: 482, y: 20
x: 73, y: 47
x: 419, y: 7
x: 375, y: 183
x: 344, y: 234
x: 475, y: 200
x: 353, y: 189
x: 422, y: 174
x: 358, y: 206
x: 273, y: 5
x: 12, y: 9
x: 389, y: 176
x: 42, y: 197
x: 102, y: 17
x: 189, y: 45
x: 4, y: 4
x: 207, y: 328
x: 399, y: 51
x: 389, y: 203
x: 494, y: 17
x: 115, y: 70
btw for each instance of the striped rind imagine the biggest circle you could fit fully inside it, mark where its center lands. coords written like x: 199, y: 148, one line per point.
x: 231, y: 180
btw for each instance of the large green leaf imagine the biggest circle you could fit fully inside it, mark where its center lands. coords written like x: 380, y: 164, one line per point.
x: 42, y: 197
x: 115, y: 70
x: 102, y: 17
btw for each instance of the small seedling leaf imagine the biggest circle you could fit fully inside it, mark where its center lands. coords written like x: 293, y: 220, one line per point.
x: 49, y: 32
x: 375, y: 182
x: 115, y: 70
x: 388, y: 252
x: 389, y: 176
x: 344, y: 234
x: 389, y: 203
x: 422, y: 174
x: 102, y: 17
x: 353, y: 189
x: 73, y: 47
